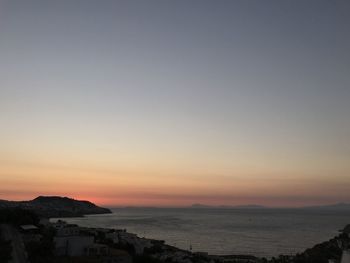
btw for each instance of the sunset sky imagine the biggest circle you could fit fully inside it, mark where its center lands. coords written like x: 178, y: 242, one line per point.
x: 170, y: 103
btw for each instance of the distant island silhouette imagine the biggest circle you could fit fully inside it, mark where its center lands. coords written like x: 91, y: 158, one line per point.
x: 228, y: 206
x: 337, y: 206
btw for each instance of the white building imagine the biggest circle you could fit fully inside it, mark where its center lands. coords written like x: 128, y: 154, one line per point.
x: 346, y: 256
x: 69, y: 241
x: 123, y: 237
x: 72, y: 245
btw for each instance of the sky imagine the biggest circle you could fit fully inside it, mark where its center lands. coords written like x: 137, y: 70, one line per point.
x: 170, y: 103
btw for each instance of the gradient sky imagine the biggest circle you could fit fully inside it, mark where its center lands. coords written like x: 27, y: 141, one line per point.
x: 176, y: 102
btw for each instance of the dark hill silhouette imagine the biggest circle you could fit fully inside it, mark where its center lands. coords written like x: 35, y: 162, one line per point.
x: 56, y: 206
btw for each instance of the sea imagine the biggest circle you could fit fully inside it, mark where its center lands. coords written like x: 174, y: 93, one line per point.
x: 260, y: 232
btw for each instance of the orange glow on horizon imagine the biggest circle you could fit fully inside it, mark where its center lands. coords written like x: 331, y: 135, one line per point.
x: 146, y: 186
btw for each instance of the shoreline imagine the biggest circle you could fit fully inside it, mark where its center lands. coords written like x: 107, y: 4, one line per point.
x: 143, y: 245
x: 233, y: 233
x: 60, y: 242
x: 157, y: 249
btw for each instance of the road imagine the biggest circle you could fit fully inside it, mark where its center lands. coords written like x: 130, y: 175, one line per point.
x: 19, y: 254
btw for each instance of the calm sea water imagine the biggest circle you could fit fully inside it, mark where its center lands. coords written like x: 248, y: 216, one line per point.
x: 261, y: 232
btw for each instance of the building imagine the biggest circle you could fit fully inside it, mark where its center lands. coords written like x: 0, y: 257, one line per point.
x: 96, y: 250
x: 345, y: 258
x: 68, y: 230
x: 69, y: 241
x: 30, y: 233
x: 29, y: 228
x: 123, y: 237
x: 72, y: 245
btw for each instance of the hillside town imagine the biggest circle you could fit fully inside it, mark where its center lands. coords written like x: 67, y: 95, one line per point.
x: 34, y: 240
x: 45, y: 241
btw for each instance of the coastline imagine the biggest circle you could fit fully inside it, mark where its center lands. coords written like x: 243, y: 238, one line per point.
x: 59, y: 241
x: 262, y: 233
x: 146, y: 247
x: 163, y: 252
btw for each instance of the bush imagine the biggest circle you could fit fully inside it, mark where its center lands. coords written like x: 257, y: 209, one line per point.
x: 5, y: 251
x: 18, y: 216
